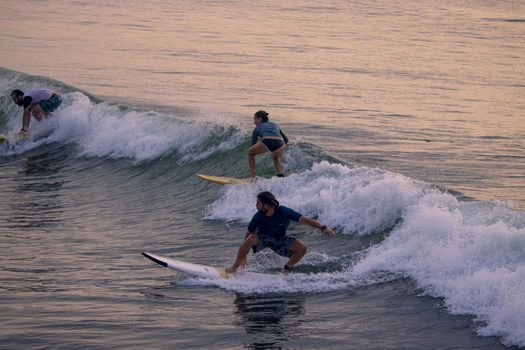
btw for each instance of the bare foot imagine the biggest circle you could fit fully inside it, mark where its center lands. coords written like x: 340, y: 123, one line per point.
x: 230, y: 269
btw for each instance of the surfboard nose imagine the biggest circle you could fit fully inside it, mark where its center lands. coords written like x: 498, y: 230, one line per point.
x: 155, y: 259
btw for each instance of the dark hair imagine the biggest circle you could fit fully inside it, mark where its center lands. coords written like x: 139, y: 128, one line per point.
x: 262, y: 115
x: 17, y: 92
x: 267, y: 198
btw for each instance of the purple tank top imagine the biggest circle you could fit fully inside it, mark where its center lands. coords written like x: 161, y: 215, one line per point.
x: 39, y: 94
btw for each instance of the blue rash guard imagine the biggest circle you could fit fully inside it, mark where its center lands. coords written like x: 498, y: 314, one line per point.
x: 272, y: 230
x: 273, y: 226
x: 267, y: 129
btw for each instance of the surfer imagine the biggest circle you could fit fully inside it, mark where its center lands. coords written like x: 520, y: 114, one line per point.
x: 273, y: 140
x: 267, y: 229
x: 39, y: 102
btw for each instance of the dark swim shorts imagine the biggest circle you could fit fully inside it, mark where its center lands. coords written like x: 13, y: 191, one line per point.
x: 280, y: 246
x: 273, y: 144
x: 51, y: 104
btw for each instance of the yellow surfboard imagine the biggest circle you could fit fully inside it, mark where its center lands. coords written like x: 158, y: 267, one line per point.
x: 13, y: 137
x: 223, y: 180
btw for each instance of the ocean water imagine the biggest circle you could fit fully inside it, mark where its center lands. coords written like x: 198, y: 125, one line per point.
x: 407, y: 137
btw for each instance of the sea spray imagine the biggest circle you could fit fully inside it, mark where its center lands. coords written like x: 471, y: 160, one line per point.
x: 354, y: 200
x: 478, y: 268
x: 471, y: 254
x: 114, y: 131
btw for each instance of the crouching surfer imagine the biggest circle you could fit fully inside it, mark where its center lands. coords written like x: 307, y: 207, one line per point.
x: 39, y: 102
x: 267, y: 229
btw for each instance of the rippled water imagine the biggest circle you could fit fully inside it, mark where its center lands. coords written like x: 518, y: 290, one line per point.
x: 406, y: 122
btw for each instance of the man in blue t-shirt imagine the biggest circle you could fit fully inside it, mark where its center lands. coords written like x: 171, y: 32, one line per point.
x: 267, y: 229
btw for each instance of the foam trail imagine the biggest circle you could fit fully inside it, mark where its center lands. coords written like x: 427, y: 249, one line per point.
x: 296, y: 282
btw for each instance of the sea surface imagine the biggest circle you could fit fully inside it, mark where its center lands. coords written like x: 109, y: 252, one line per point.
x: 407, y: 129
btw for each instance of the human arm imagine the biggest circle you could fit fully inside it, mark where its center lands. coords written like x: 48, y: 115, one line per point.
x: 283, y: 135
x: 315, y: 224
x: 27, y: 103
x: 26, y: 118
x: 255, y: 135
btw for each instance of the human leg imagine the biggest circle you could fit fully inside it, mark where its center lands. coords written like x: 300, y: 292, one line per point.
x: 250, y: 241
x: 286, y: 246
x: 258, y: 148
x: 297, y: 251
x: 276, y: 157
x: 51, y: 104
x: 37, y: 112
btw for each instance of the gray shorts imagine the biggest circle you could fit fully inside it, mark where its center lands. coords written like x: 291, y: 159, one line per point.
x: 51, y: 104
x: 280, y: 246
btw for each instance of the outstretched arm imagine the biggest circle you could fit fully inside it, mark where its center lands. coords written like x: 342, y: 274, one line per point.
x: 285, y: 139
x: 315, y: 224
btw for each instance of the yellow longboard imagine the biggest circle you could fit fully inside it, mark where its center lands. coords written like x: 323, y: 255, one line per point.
x: 15, y: 137
x: 223, y: 180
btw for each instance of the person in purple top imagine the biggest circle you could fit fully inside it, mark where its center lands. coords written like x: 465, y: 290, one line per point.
x: 39, y: 102
x: 267, y: 229
x: 273, y: 140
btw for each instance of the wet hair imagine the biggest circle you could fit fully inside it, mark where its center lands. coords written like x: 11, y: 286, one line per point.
x: 17, y: 93
x: 268, y: 198
x: 262, y: 115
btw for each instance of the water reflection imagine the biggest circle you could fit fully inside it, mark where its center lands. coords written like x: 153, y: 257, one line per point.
x: 271, y: 320
x: 39, y: 183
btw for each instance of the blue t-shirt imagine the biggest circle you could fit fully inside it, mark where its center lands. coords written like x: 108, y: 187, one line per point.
x: 274, y: 226
x: 267, y: 129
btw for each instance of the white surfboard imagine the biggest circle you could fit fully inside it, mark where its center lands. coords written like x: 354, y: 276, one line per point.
x: 202, y: 271
x: 223, y: 180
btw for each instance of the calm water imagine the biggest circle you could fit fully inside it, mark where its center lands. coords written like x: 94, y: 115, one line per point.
x: 407, y: 126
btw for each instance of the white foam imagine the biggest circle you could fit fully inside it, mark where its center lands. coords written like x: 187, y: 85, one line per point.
x: 471, y: 254
x: 478, y: 268
x: 355, y: 200
x: 104, y: 130
x: 268, y: 263
x: 278, y: 283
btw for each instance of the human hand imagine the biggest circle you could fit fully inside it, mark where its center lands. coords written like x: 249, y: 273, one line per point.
x: 328, y: 231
